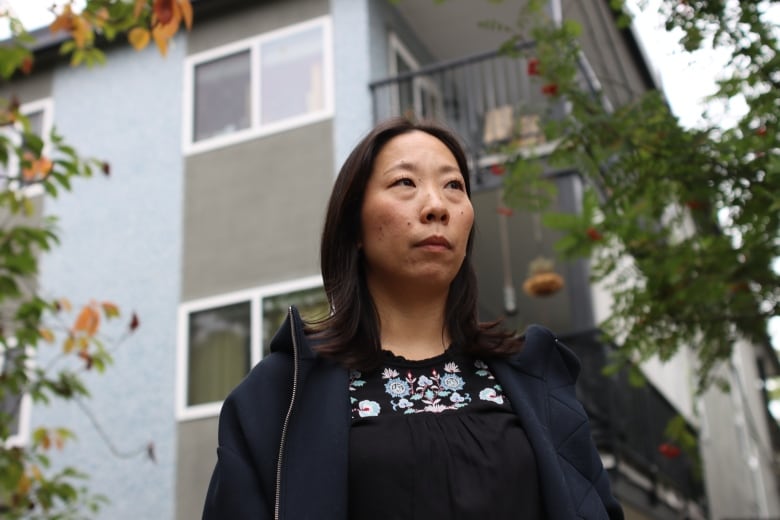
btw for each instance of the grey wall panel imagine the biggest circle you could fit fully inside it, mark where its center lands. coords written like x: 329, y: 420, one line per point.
x: 253, y: 212
x: 606, y: 50
x: 31, y: 88
x: 261, y: 17
x: 197, y: 455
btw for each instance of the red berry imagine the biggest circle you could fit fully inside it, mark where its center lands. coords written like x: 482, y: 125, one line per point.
x: 533, y: 67
x: 594, y: 234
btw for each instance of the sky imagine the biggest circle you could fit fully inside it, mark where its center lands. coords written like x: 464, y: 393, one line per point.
x: 687, y: 79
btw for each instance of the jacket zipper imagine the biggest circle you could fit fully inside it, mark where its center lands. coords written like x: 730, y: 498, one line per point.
x: 287, y: 417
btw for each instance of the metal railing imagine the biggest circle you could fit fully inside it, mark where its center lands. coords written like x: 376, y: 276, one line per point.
x: 630, y: 421
x: 492, y: 99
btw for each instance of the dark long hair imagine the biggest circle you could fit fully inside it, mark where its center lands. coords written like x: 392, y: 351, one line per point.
x: 350, y: 334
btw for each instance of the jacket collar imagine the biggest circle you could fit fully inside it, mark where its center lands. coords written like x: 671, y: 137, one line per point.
x: 292, y: 328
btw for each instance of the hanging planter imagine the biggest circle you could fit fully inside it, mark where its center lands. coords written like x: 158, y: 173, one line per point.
x: 542, y: 280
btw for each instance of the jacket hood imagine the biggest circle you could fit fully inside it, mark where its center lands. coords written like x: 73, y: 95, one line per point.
x: 290, y: 335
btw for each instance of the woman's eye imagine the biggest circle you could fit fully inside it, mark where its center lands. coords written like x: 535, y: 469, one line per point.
x: 456, y: 184
x: 403, y: 182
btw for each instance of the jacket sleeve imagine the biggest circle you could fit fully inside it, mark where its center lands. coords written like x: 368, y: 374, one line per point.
x: 243, y: 482
x: 588, y: 464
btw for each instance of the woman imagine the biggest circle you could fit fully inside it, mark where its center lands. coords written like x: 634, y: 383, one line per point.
x: 400, y: 404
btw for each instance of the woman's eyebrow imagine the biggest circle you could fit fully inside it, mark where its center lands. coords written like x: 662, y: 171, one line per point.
x: 412, y: 167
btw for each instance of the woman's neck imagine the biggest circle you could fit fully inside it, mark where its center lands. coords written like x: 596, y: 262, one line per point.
x: 412, y: 326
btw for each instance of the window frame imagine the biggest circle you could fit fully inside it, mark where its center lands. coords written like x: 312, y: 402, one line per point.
x: 256, y: 129
x: 254, y: 296
x: 46, y: 107
x: 421, y: 86
x: 22, y: 435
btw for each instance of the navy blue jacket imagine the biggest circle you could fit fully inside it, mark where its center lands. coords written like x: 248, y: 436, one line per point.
x: 293, y: 407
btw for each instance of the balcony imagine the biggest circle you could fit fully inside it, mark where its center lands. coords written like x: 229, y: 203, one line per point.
x: 492, y: 100
x: 628, y: 423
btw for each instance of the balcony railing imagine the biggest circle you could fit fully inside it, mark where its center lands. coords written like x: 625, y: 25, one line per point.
x: 491, y: 99
x: 629, y: 422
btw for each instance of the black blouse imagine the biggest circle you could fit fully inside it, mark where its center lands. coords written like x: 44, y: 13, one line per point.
x: 437, y: 438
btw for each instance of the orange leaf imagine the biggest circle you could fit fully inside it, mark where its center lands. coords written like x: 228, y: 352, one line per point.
x: 81, y: 32
x: 110, y: 309
x: 64, y: 21
x: 47, y: 335
x: 87, y: 321
x: 186, y: 13
x: 160, y: 40
x: 163, y: 10
x: 69, y: 345
x: 138, y: 38
x: 139, y: 6
x: 24, y: 484
x: 37, y: 167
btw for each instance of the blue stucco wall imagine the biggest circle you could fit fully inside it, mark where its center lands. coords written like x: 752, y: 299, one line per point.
x: 352, y: 74
x: 121, y: 242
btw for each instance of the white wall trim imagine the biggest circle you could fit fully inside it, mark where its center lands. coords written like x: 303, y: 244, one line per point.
x: 254, y: 296
x: 256, y: 128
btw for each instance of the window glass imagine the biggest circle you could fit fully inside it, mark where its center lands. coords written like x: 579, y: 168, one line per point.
x: 405, y: 88
x: 36, y: 123
x: 11, y: 402
x: 14, y: 138
x: 291, y: 77
x: 219, y: 351
x: 311, y: 303
x: 222, y: 96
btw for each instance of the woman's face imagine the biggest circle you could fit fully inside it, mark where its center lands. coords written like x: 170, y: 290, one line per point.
x: 416, y: 215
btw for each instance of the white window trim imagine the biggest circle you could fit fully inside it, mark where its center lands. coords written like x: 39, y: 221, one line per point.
x: 22, y: 435
x: 419, y: 84
x: 254, y: 296
x: 46, y: 107
x: 255, y: 130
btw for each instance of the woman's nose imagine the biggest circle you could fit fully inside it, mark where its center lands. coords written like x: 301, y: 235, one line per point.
x: 435, y: 210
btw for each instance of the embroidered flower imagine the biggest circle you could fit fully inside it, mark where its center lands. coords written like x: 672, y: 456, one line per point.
x: 397, y: 387
x: 368, y: 408
x: 482, y: 369
x: 424, y: 381
x: 354, y: 380
x: 456, y: 398
x: 389, y: 373
x: 490, y: 394
x: 451, y: 382
x: 451, y: 367
x: 435, y: 408
x: 404, y: 403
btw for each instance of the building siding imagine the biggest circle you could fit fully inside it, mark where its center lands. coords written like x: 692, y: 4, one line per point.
x: 121, y: 241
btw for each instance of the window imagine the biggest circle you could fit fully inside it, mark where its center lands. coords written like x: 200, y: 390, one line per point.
x: 257, y: 86
x: 221, y: 338
x: 418, y: 96
x: 39, y: 115
x: 14, y: 407
x: 222, y: 89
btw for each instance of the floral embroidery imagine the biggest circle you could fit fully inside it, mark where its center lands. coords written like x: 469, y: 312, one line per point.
x: 368, y: 408
x: 494, y: 393
x: 435, y: 393
x: 422, y: 389
x: 490, y: 394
